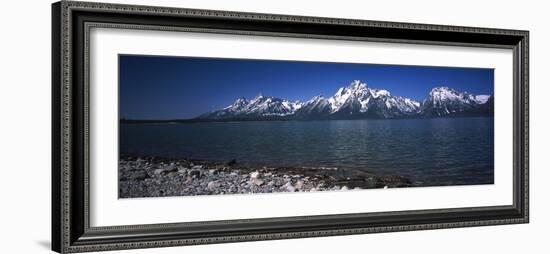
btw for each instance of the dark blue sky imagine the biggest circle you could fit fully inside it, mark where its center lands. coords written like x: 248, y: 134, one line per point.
x: 160, y: 87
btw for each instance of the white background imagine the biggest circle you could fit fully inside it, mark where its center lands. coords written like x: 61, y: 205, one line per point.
x: 108, y: 210
x: 25, y: 134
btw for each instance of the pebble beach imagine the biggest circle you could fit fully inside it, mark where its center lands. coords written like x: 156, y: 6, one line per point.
x: 158, y: 177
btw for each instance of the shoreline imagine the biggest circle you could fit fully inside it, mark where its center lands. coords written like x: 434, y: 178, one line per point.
x: 159, y: 177
x: 194, y: 121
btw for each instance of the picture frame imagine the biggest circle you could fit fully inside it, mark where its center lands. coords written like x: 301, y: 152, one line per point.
x: 71, y: 196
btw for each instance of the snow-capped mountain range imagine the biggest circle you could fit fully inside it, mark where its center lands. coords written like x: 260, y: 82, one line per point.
x: 356, y: 101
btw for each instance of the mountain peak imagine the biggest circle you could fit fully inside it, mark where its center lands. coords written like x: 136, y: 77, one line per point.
x: 357, y: 85
x: 444, y: 101
x: 238, y: 104
x: 442, y: 89
x: 242, y: 99
x: 357, y: 101
x: 444, y: 93
x: 482, y: 98
x: 316, y: 98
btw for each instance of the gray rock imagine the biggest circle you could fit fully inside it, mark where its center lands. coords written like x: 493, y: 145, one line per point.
x: 195, y: 173
x: 257, y: 181
x: 149, y: 177
x: 138, y: 176
x: 255, y: 174
x: 172, y: 174
x: 214, y: 185
x: 299, y: 184
x: 159, y: 171
x: 288, y: 187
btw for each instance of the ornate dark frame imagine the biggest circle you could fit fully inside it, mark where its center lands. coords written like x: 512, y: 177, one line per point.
x: 71, y: 22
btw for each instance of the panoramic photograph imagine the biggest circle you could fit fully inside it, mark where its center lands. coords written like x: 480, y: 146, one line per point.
x: 219, y: 126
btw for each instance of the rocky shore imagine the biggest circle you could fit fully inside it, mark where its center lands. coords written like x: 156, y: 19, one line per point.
x: 156, y: 177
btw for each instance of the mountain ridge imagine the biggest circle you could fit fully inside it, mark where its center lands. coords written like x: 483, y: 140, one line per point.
x: 356, y: 101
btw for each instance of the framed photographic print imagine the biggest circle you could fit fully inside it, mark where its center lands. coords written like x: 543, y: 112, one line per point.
x: 181, y: 126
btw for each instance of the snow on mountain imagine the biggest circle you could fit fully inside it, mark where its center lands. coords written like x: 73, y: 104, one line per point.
x: 444, y: 101
x: 267, y: 106
x: 345, y: 96
x: 316, y: 106
x: 260, y: 106
x: 238, y: 105
x: 481, y: 99
x: 357, y: 100
x: 362, y: 101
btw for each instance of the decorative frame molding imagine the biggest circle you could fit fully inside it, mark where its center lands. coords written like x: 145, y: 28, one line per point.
x: 71, y: 23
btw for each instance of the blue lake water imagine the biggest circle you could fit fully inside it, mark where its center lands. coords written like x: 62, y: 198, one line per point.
x: 439, y: 151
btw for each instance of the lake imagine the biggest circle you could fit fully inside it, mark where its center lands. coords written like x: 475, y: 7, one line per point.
x: 438, y: 151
